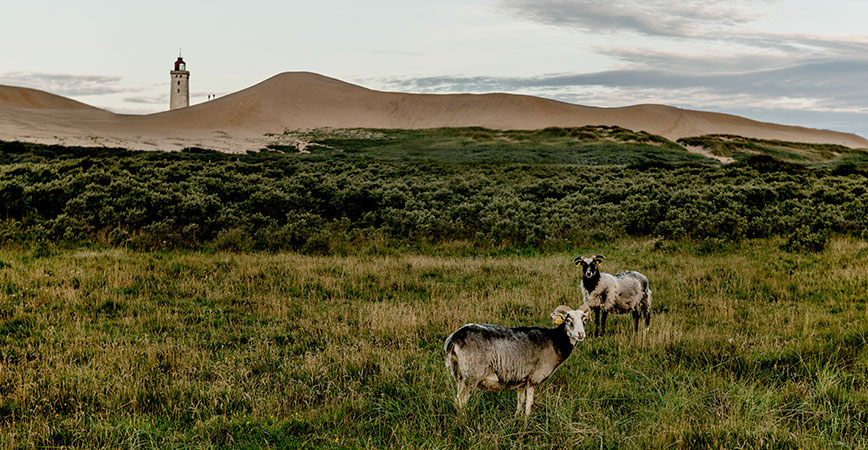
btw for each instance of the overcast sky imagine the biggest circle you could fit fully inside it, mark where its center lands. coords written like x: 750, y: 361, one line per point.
x: 788, y: 61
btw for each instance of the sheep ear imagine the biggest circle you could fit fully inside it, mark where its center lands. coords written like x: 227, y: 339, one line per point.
x: 559, y: 314
x: 599, y: 259
x: 585, y: 312
x: 577, y: 261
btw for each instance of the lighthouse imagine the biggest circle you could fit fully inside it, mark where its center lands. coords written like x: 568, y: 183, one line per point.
x: 179, y: 96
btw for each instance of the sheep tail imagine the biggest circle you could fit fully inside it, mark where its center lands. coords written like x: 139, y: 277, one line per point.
x: 451, y: 357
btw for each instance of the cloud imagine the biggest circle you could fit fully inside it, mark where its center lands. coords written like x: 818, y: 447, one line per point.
x: 827, y: 83
x: 149, y: 99
x: 684, y: 18
x: 65, y: 84
x: 709, y: 62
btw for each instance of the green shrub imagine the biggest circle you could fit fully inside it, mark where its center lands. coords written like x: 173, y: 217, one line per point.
x: 233, y: 239
x: 806, y: 240
x: 119, y: 237
x: 279, y: 201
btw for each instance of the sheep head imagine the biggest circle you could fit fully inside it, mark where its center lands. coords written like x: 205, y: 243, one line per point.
x: 590, y: 265
x: 573, y: 320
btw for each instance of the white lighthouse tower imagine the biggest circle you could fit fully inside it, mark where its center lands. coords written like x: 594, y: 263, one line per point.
x: 179, y: 96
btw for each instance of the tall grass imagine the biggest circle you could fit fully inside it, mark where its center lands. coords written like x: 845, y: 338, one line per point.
x: 749, y: 347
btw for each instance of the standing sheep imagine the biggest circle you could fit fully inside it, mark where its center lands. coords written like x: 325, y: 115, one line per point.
x: 604, y: 293
x: 496, y: 358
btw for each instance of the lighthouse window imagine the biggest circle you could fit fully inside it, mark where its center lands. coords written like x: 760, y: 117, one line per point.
x: 179, y: 82
x: 179, y: 91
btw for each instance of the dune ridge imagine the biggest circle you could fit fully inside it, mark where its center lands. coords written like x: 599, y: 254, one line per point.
x: 304, y: 100
x: 26, y: 98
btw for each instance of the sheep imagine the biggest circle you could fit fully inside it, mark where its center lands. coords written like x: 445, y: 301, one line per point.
x: 604, y: 293
x: 496, y: 358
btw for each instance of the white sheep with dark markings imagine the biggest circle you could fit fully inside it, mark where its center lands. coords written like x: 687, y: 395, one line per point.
x: 604, y: 293
x: 497, y: 358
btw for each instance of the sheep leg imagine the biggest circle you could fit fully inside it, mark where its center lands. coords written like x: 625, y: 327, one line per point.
x: 528, y: 401
x: 521, y: 394
x: 646, y: 310
x: 636, y: 321
x: 464, y: 390
x: 603, y: 322
x: 596, y: 311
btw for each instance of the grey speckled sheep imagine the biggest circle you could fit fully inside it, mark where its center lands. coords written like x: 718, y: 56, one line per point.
x: 604, y: 293
x: 496, y: 358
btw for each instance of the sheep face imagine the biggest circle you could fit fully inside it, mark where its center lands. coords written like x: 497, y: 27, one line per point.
x: 590, y: 265
x: 574, y: 322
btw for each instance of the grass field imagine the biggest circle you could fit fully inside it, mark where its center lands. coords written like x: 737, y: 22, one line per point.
x: 591, y: 145
x: 749, y: 347
x: 814, y: 155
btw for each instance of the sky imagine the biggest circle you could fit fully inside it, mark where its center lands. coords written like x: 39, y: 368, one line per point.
x: 794, y: 62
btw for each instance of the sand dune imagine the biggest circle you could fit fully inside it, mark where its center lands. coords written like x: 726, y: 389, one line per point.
x: 21, y: 97
x: 302, y: 100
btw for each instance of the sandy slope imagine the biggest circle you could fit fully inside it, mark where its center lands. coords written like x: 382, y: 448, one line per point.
x: 21, y: 97
x: 302, y: 100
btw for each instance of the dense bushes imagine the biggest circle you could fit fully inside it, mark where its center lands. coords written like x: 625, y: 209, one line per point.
x: 272, y: 200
